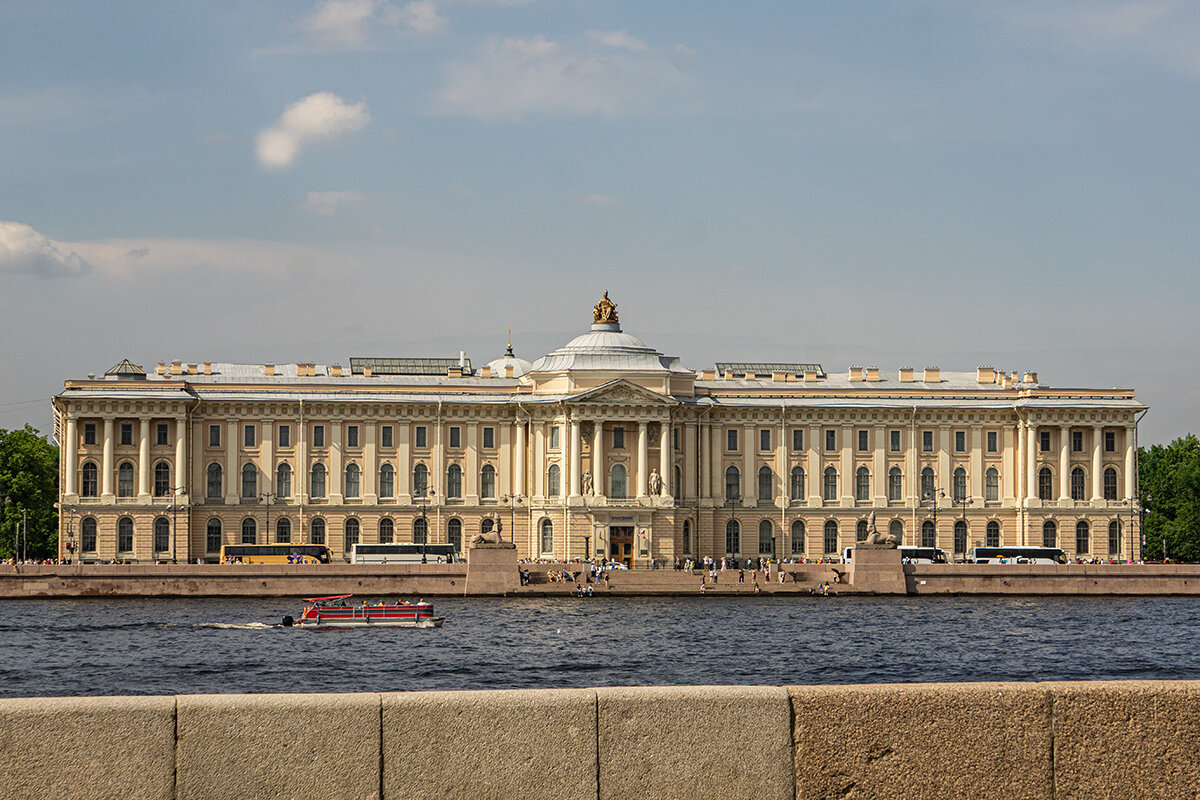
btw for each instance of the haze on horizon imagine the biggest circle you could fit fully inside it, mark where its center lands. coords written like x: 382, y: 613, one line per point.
x: 909, y: 182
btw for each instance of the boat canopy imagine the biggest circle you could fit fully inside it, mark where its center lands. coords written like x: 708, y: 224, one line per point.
x: 331, y: 597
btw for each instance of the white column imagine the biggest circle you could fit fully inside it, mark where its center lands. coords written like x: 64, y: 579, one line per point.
x: 106, y: 463
x: 717, y: 473
x: 814, y: 476
x: 471, y: 489
x: 337, y: 478
x: 233, y: 476
x: 1097, y: 464
x: 847, y: 468
x: 689, y: 463
x: 1031, y: 450
x: 664, y: 458
x: 781, y: 467
x: 404, y: 467
x: 144, y: 461
x: 504, y: 474
x: 1064, y: 463
x: 643, y: 459
x: 180, y: 470
x: 519, y: 460
x: 571, y: 445
x: 300, y: 473
x: 266, y: 460
x: 370, y: 467
x: 1010, y: 462
x: 538, y: 487
x: 1129, y: 467
x: 599, y: 471
x: 704, y: 461
x: 881, y: 467
x: 975, y: 479
x: 70, y: 450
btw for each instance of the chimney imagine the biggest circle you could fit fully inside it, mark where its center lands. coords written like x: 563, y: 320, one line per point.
x: 856, y: 374
x: 873, y: 374
x: 1006, y: 381
x: 933, y: 375
x: 708, y: 374
x: 191, y: 369
x: 810, y: 375
x: 906, y: 374
x: 985, y: 375
x: 336, y: 370
x: 176, y: 367
x: 161, y: 369
x: 779, y: 376
x: 485, y: 372
x: 208, y: 368
x: 368, y: 371
x: 454, y: 372
x: 728, y: 375
x: 269, y: 369
x: 508, y: 371
x: 1029, y: 377
x: 750, y: 376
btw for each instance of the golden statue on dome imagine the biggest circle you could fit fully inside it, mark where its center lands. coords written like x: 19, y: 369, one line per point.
x: 606, y: 310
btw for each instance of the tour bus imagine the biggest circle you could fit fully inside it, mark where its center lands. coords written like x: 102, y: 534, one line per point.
x: 281, y: 553
x: 1017, y: 555
x: 911, y: 554
x: 403, y: 553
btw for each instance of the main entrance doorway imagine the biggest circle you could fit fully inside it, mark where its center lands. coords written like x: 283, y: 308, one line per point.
x: 620, y: 544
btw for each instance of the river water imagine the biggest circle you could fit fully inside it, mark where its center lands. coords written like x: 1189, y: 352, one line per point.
x: 97, y: 647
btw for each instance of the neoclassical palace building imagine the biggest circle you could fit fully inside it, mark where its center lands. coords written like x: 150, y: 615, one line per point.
x: 604, y: 446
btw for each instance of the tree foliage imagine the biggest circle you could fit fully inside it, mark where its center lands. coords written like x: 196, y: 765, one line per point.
x: 1169, y: 486
x: 29, y: 481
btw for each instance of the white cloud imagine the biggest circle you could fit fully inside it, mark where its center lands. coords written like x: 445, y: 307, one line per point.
x: 420, y: 16
x: 608, y: 73
x: 350, y: 24
x: 25, y: 251
x: 318, y: 116
x: 326, y: 204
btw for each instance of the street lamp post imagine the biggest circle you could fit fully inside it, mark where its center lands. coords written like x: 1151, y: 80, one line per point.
x: 964, y: 502
x: 932, y: 497
x: 732, y: 501
x: 267, y: 498
x: 423, y: 500
x: 175, y: 507
x: 511, y: 500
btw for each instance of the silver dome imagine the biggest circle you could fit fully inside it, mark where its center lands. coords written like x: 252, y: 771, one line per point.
x: 606, y: 348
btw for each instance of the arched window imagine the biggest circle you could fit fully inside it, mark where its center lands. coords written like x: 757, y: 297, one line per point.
x: 928, y: 534
x: 1110, y: 484
x: 387, y: 481
x: 420, y: 530
x: 316, y: 487
x: 687, y: 536
x: 993, y: 534
x: 831, y: 537
x: 125, y: 479
x: 1049, y: 534
x: 420, y: 480
x: 733, y: 537
x: 862, y: 484
x: 317, y: 529
x: 766, y: 538
x: 87, y: 535
x: 991, y: 484
x: 1082, y: 538
x: 895, y: 485
x: 453, y: 533
x: 89, y: 484
x: 547, y: 537
x: 283, y: 480
x: 617, y: 481
x: 162, y: 479
x: 554, y: 481
x: 124, y: 535
x: 487, y: 481
x: 212, y: 536
x: 927, y: 487
x: 766, y: 484
x: 249, y: 480
x: 860, y: 531
x: 214, y: 481
x: 249, y: 531
x: 960, y: 536
x: 1077, y: 483
x: 797, y: 544
x: 162, y: 535
x: 283, y: 530
x: 387, y: 530
x: 353, y: 481
x: 1045, y: 484
x: 829, y: 490
x: 960, y: 485
x: 896, y: 528
x: 1114, y: 537
x: 733, y: 485
x: 797, y: 488
x: 352, y: 531
x: 454, y: 481
x: 677, y: 486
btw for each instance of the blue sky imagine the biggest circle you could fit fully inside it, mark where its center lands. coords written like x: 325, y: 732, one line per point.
x: 915, y: 182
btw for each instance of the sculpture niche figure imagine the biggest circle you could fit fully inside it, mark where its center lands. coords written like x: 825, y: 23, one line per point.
x: 656, y: 483
x: 605, y: 310
x: 878, y: 539
x: 587, y: 484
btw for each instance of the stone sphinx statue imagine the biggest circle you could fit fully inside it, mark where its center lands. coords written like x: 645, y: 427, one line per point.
x: 491, y: 537
x: 877, y: 538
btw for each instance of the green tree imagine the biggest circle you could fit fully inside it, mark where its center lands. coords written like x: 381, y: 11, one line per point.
x: 1169, y: 484
x: 29, y: 482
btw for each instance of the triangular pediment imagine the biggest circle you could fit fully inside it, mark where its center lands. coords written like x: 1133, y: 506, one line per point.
x: 621, y: 391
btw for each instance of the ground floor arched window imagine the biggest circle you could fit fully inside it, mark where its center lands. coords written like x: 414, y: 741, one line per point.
x: 212, y: 536
x: 1083, y: 538
x: 993, y: 534
x: 283, y: 530
x: 831, y: 537
x: 124, y: 535
x: 733, y: 537
x: 352, y: 531
x: 766, y: 538
x: 797, y: 537
x: 420, y: 530
x: 387, y: 530
x: 547, y: 529
x: 249, y: 531
x: 162, y: 535
x: 1049, y: 534
x: 318, y: 531
x: 687, y: 536
x: 960, y: 536
x: 453, y: 533
x: 1114, y: 537
x: 861, y: 530
x: 928, y: 534
x: 896, y: 529
x: 87, y: 535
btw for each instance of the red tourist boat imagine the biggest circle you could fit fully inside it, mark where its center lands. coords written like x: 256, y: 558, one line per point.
x: 339, y: 611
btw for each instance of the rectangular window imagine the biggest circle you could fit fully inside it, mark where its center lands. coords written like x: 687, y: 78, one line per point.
x: 421, y: 439
x: 455, y: 436
x: 894, y: 443
x: 1044, y: 441
x: 960, y: 441
x: 993, y: 444
x: 618, y: 437
x: 285, y: 435
x: 161, y: 433
x: 831, y: 439
x: 555, y: 432
x: 675, y: 441
x: 351, y: 436
x: 489, y: 438
x: 764, y: 439
x: 318, y: 435
x: 863, y: 441
x: 89, y: 433
x: 126, y: 433
x: 731, y: 439
x: 927, y: 441
x: 797, y: 439
x: 214, y: 435
x: 385, y: 436
x: 1077, y: 441
x: 248, y: 435
x: 1110, y: 440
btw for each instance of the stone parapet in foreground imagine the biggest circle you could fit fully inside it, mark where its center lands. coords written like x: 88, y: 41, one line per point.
x: 1134, y: 739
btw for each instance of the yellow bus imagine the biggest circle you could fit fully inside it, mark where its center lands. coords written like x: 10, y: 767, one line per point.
x: 274, y: 554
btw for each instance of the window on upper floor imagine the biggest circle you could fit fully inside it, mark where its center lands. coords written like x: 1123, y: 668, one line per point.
x: 351, y: 436
x: 125, y: 480
x: 353, y: 480
x: 214, y: 435
x: 556, y: 435
x: 421, y: 437
x: 489, y: 438
x: 731, y: 439
x: 1044, y: 441
x: 318, y: 435
x: 420, y: 480
x: 89, y: 485
x: 830, y: 440
x: 1110, y: 484
x: 387, y: 481
x: 959, y: 492
x: 862, y: 484
x: 214, y: 481
x: 797, y: 438
x: 764, y: 439
x: 675, y: 439
x: 733, y: 485
x: 162, y: 479
x: 993, y: 443
x: 864, y: 441
x: 487, y: 482
x: 89, y: 435
x: 249, y: 435
x: 285, y: 435
x: 894, y: 441
x: 895, y: 484
x: 1076, y: 441
x: 1110, y: 441
x: 387, y: 436
x: 926, y: 441
x: 991, y: 484
x: 454, y: 483
x: 455, y: 436
x: 1045, y: 483
x: 829, y: 486
x: 960, y: 441
x: 1077, y: 484
x: 161, y: 433
x: 126, y: 433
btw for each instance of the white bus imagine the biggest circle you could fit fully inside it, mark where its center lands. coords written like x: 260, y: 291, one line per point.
x: 403, y: 553
x: 911, y: 554
x: 1017, y: 555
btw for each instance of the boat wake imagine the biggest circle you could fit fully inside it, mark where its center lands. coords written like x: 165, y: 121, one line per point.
x: 247, y: 626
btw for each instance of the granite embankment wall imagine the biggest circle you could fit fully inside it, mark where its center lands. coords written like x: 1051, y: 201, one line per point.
x: 1008, y: 741
x: 1053, y: 579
